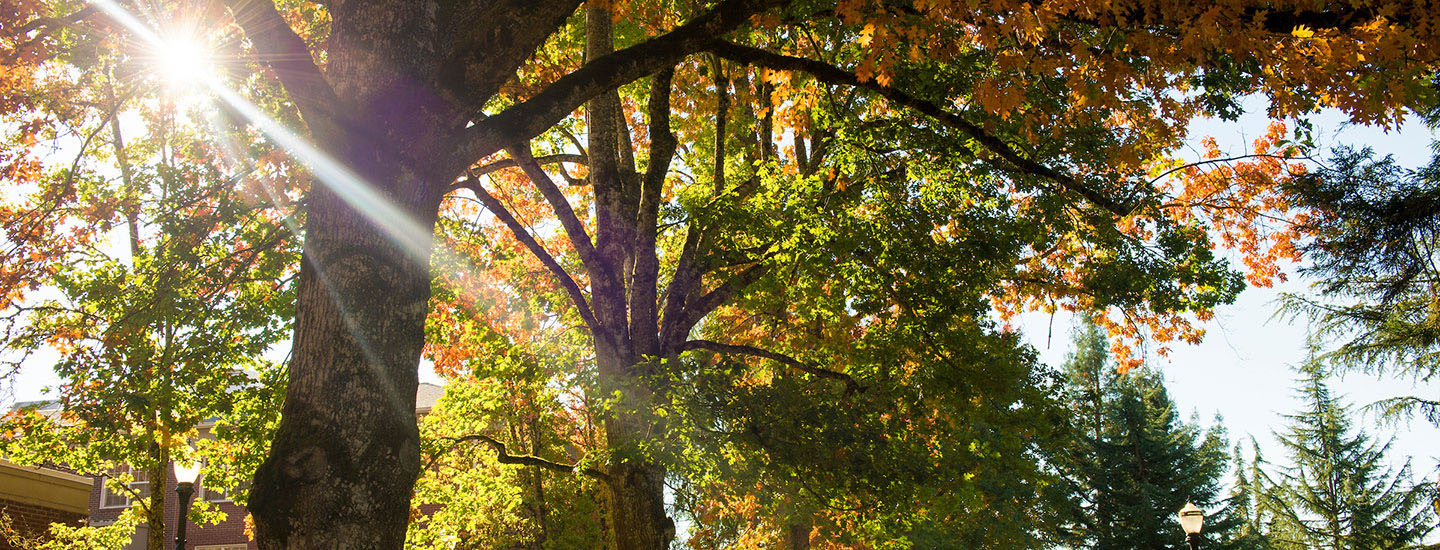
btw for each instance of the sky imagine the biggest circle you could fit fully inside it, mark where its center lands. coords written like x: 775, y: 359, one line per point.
x: 1243, y: 370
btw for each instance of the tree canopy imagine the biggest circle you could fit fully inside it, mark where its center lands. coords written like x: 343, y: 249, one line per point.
x: 728, y: 208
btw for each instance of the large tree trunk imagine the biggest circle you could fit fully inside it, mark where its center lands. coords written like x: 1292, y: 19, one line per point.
x: 343, y: 463
x: 637, y: 507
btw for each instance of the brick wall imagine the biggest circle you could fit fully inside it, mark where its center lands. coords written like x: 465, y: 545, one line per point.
x: 230, y: 531
x: 30, y: 520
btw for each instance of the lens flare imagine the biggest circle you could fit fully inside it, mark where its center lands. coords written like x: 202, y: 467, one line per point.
x: 192, y: 65
x: 183, y: 61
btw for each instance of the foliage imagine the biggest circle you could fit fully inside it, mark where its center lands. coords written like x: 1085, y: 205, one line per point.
x: 146, y: 252
x: 61, y: 536
x: 1338, y: 493
x: 809, y: 208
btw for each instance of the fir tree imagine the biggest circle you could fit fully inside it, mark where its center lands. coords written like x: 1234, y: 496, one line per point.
x: 1339, y: 494
x: 1130, y: 462
x: 1246, y: 502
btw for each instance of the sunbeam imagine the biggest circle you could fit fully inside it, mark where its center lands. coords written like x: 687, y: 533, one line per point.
x: 397, y: 225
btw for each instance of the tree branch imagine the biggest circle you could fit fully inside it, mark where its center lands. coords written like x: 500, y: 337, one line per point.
x: 554, y: 103
x: 644, y: 317
x: 512, y: 163
x: 574, y: 230
x: 287, y: 54
x: 504, y: 457
x: 834, y: 75
x: 851, y: 386
x: 572, y: 289
x: 62, y: 21
x: 722, y: 294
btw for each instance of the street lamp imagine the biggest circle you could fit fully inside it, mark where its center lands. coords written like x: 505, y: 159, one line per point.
x: 1192, y: 518
x: 186, y: 473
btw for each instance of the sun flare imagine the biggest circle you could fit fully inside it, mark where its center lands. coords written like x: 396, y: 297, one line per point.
x: 184, y: 62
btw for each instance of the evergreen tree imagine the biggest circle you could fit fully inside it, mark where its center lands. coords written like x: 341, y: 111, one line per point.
x: 1130, y: 462
x: 1338, y: 494
x: 1247, y: 503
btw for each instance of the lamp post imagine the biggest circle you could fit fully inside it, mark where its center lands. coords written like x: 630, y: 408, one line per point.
x: 186, y: 473
x: 1192, y: 518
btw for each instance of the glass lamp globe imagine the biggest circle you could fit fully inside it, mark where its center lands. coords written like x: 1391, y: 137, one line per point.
x: 1192, y: 518
x: 187, y: 472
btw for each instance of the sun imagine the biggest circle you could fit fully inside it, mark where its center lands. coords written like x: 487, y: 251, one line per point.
x: 184, y: 61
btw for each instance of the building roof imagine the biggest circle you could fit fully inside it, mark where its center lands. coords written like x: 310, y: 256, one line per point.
x: 426, y: 395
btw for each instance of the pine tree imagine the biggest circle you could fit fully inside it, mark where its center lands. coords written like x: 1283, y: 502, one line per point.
x: 1246, y: 502
x: 1130, y: 462
x: 1338, y: 494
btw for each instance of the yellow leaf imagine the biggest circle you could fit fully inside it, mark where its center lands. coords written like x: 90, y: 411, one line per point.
x: 1302, y: 31
x: 867, y: 34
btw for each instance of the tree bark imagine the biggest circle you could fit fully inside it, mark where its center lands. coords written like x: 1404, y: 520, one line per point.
x: 155, y: 509
x: 343, y: 463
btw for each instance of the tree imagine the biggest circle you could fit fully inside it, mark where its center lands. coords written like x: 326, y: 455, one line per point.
x: 1373, y: 231
x: 1338, y: 493
x: 411, y: 95
x: 1132, y: 463
x: 160, y: 285
x: 1247, y: 500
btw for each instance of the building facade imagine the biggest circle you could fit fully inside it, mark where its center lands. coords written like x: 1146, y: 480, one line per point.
x: 32, y: 498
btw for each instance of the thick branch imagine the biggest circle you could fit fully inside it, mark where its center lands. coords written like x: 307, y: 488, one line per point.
x: 722, y: 295
x: 485, y: 41
x: 504, y: 457
x: 286, y: 53
x: 851, y: 386
x: 512, y: 163
x: 554, y: 103
x: 63, y: 21
x: 572, y: 289
x: 682, y: 284
x: 644, y: 317
x: 834, y: 75
x: 574, y: 230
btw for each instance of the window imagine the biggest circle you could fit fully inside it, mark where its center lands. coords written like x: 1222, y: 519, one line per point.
x: 213, y: 495
x: 121, y: 499
x: 217, y: 494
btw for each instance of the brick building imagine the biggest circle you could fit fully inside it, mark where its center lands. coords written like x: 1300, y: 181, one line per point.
x: 34, y: 497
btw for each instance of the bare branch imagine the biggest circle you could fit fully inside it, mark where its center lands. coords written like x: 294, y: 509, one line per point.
x: 577, y: 296
x: 851, y: 386
x: 541, y: 160
x: 504, y: 457
x: 574, y: 230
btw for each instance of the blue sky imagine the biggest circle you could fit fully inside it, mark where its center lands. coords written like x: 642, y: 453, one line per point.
x: 1242, y: 371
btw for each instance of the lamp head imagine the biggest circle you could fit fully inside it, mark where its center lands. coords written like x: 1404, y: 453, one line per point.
x: 187, y: 472
x: 1192, y: 518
